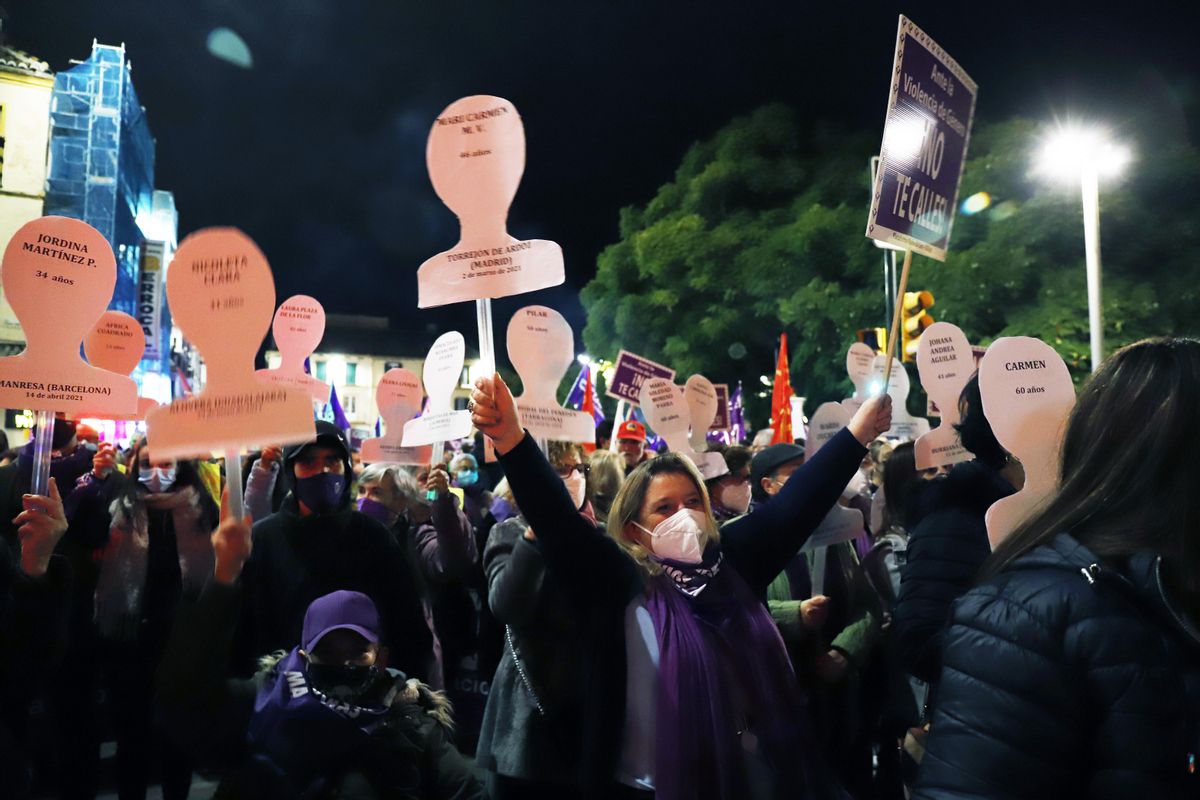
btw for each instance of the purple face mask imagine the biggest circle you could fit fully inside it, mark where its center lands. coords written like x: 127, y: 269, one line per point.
x: 375, y: 510
x: 321, y: 493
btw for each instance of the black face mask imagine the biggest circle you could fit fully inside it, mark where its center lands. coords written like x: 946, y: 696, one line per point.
x: 345, y: 682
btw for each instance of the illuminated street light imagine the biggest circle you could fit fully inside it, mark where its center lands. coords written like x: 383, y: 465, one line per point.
x: 1085, y: 154
x: 584, y: 359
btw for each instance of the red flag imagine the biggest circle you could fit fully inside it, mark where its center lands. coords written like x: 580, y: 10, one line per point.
x: 781, y: 398
x: 588, y: 404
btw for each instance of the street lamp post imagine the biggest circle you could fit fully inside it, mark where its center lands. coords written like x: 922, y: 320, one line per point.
x: 1090, y: 183
x: 1084, y: 155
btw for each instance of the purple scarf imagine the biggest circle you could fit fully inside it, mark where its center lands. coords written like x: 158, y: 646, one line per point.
x: 730, y: 717
x: 303, y: 739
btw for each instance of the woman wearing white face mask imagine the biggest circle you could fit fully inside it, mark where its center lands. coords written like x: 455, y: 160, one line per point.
x: 731, y: 493
x: 687, y: 690
x: 153, y: 527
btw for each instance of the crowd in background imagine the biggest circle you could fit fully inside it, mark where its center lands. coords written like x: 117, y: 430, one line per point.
x: 605, y: 622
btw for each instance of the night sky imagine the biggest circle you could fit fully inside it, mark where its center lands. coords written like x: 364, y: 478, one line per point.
x: 318, y: 150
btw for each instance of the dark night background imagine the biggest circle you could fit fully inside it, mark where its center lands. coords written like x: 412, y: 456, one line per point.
x: 317, y: 151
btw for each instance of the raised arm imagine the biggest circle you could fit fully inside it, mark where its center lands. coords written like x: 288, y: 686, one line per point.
x: 446, y: 543
x: 763, y: 542
x: 566, y: 537
x: 202, y: 709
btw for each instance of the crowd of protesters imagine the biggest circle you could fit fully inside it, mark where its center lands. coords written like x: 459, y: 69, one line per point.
x: 604, y: 622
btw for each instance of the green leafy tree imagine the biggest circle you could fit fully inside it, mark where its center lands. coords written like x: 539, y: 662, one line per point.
x: 761, y: 231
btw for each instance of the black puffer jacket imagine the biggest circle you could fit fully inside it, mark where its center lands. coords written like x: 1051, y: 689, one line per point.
x: 1066, y: 678
x: 946, y: 548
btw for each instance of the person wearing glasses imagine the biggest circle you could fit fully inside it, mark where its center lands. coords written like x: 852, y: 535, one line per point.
x: 530, y: 742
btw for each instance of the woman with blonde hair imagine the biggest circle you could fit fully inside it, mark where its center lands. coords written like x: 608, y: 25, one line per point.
x: 687, y: 689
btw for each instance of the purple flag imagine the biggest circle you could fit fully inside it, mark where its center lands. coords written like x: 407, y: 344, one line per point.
x: 335, y: 406
x: 737, y: 418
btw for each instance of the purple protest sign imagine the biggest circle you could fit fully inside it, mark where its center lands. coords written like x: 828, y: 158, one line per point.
x: 631, y: 372
x: 930, y: 110
x: 721, y: 421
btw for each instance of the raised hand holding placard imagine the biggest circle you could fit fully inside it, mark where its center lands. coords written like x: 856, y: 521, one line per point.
x: 860, y: 360
x: 840, y: 524
x: 117, y: 344
x: 945, y: 363
x: 668, y: 415
x: 398, y: 396
x: 701, y: 398
x: 541, y: 348
x: 297, y: 329
x: 58, y: 276
x: 221, y: 294
x: 1027, y: 396
x: 476, y: 156
x: 441, y: 373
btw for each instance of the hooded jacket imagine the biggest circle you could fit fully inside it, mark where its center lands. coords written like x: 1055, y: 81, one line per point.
x: 946, y: 549
x: 1067, y: 677
x: 297, y: 559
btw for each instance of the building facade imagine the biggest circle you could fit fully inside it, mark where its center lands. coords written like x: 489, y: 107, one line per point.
x: 354, y: 355
x: 26, y: 86
x: 101, y: 170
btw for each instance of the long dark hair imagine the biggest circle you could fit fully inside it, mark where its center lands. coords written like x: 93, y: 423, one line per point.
x: 187, y: 474
x: 899, y: 479
x: 1128, y: 474
x: 974, y: 430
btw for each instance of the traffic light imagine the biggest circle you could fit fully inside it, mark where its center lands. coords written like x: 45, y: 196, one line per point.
x: 875, y: 338
x: 914, y: 319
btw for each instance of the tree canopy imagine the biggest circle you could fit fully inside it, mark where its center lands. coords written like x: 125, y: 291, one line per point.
x: 762, y: 231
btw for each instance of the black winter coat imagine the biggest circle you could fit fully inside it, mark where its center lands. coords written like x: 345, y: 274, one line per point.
x: 946, y: 549
x: 1064, y: 677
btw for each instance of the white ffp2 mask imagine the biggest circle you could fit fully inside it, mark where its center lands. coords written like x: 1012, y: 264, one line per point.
x: 678, y: 537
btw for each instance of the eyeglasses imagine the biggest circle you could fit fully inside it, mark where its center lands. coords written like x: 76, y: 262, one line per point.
x: 565, y: 471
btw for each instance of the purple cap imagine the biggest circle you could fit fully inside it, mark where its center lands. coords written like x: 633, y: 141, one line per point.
x: 343, y: 609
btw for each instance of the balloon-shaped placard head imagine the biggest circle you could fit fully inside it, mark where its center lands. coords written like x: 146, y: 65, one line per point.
x: 219, y: 282
x: 541, y: 348
x: 116, y: 344
x: 476, y: 155
x: 298, y: 328
x: 58, y: 276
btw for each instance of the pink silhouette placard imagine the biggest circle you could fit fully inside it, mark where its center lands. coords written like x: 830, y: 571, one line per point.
x: 222, y: 297
x: 860, y: 360
x: 58, y: 276
x: 541, y: 348
x: 905, y: 426
x: 701, y: 398
x: 1027, y: 397
x: 398, y: 397
x: 476, y: 156
x: 668, y: 415
x: 840, y: 524
x: 297, y: 329
x: 441, y: 373
x: 117, y: 344
x: 945, y: 363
